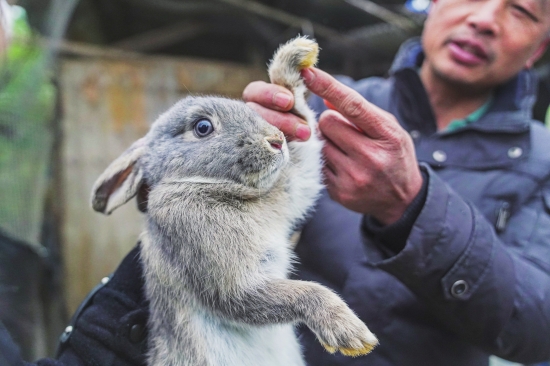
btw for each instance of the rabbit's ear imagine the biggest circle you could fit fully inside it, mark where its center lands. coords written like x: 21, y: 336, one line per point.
x: 120, y: 181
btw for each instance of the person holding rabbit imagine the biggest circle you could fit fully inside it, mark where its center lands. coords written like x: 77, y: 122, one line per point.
x: 435, y: 225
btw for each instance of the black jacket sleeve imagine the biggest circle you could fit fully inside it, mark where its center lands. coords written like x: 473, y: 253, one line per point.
x: 108, y: 329
x: 393, y: 237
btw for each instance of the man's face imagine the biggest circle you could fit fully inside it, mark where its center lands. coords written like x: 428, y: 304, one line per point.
x: 483, y: 43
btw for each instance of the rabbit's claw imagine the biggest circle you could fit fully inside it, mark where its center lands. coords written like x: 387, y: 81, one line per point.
x: 352, y: 352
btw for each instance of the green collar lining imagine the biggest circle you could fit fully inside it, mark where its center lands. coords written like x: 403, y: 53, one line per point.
x: 473, y: 117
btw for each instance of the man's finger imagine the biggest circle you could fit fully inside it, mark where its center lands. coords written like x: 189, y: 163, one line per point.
x: 291, y: 125
x: 269, y: 95
x: 372, y: 120
x: 335, y: 158
x: 329, y: 177
x: 341, y: 133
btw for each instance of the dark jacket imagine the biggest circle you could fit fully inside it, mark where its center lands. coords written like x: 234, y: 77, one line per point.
x: 472, y: 279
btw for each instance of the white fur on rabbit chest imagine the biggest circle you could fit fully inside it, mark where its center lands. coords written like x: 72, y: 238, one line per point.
x: 238, y: 344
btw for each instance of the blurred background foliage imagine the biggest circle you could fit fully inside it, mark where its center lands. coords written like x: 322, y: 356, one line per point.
x: 27, y: 100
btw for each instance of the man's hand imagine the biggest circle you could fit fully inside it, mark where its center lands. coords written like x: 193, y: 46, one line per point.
x: 371, y: 165
x: 273, y: 102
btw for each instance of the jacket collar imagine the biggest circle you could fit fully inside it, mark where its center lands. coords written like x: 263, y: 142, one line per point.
x: 514, y: 100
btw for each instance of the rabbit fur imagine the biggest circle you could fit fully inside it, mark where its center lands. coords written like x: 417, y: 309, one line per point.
x: 220, y: 211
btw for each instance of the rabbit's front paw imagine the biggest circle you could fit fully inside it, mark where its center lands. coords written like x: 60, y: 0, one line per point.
x: 343, y: 331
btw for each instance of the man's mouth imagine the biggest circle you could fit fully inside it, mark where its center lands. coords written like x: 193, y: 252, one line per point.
x: 468, y: 52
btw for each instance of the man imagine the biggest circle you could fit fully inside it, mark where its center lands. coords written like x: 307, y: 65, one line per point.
x: 447, y: 261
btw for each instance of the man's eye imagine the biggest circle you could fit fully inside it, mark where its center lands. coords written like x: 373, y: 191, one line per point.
x: 525, y: 12
x: 203, y: 128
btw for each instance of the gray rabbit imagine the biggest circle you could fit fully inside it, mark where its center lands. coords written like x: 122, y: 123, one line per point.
x: 224, y: 193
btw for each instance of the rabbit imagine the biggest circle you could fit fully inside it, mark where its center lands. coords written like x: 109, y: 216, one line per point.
x: 224, y: 191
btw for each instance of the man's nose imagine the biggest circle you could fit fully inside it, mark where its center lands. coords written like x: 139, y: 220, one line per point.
x: 485, y: 17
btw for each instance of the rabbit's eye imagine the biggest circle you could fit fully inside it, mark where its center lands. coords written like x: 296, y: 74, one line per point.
x: 203, y: 128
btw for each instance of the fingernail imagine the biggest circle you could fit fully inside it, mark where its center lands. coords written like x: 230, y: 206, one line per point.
x: 303, y: 132
x: 282, y: 100
x: 308, y: 75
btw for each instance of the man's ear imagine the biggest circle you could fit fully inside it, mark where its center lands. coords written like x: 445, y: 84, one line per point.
x: 120, y: 181
x: 538, y: 53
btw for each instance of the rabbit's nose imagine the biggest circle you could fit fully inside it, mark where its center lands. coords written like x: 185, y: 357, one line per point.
x: 276, y: 141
